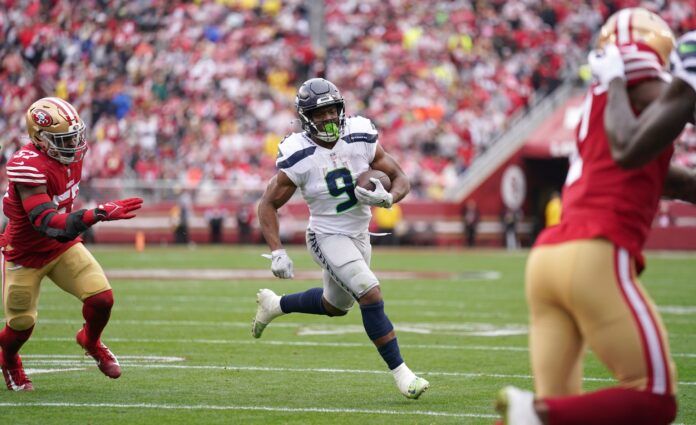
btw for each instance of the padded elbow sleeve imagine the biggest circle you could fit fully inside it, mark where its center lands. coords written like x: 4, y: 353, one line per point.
x: 44, y: 217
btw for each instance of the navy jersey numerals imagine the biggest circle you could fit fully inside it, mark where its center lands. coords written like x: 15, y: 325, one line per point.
x: 340, y: 182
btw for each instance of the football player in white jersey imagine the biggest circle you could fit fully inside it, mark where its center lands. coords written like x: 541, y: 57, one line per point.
x: 324, y: 162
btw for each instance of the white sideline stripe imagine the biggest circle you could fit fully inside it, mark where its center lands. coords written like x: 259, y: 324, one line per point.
x: 68, y: 363
x: 249, y: 408
x: 292, y: 343
x: 264, y: 274
x: 223, y: 324
x: 131, y: 307
x: 313, y: 344
x: 425, y: 328
x: 31, y: 371
x: 38, y: 357
x: 677, y: 309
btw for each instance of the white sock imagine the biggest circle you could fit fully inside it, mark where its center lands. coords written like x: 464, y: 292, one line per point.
x: 522, y: 407
x: 277, y: 311
x: 403, y: 376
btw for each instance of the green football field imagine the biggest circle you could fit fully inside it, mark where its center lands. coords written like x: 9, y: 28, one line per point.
x: 181, y: 329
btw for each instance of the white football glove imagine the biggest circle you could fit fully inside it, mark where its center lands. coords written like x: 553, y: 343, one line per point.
x: 606, y: 64
x: 377, y: 198
x: 281, y: 264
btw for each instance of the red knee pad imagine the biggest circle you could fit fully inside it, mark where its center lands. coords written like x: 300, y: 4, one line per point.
x: 101, y: 301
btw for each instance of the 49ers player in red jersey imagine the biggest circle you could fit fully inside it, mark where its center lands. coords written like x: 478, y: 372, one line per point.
x: 581, y: 276
x: 42, y: 237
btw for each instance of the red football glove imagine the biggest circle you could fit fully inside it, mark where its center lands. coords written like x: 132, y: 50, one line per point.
x: 118, y: 210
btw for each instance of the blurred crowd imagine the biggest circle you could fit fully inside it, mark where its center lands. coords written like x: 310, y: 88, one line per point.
x: 202, y: 92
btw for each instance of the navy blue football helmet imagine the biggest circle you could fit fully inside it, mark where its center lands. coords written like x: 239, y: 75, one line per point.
x: 318, y: 93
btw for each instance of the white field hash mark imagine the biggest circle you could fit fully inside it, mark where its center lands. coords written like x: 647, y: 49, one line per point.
x: 249, y: 408
x: 147, y: 362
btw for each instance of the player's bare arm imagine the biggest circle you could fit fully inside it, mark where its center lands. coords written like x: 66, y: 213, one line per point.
x: 279, y: 190
x: 27, y: 191
x: 386, y: 163
x: 680, y: 183
x: 636, y: 140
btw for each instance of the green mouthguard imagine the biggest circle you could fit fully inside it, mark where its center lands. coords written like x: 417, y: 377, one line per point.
x: 332, y: 129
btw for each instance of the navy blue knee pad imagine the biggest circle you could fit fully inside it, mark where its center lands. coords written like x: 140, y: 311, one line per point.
x: 376, y: 323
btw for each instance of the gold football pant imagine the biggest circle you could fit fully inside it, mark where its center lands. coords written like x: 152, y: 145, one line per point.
x: 585, y: 293
x: 75, y: 271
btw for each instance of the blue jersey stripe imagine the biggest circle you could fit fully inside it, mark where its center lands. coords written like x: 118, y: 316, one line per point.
x: 297, y: 157
x: 361, y: 138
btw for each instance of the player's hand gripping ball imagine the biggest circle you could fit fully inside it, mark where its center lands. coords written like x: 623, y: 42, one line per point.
x: 373, y: 189
x: 364, y: 180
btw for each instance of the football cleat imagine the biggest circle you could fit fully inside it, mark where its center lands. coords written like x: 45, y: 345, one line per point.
x: 516, y: 407
x: 417, y: 387
x: 106, y: 361
x: 267, y: 310
x: 15, y: 378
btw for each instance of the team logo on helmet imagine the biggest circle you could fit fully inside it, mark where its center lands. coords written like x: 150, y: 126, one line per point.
x: 41, y: 117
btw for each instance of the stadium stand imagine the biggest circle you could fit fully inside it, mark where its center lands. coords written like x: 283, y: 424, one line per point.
x: 198, y: 94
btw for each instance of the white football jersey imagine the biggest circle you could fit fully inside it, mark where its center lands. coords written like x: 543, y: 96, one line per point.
x: 326, y: 177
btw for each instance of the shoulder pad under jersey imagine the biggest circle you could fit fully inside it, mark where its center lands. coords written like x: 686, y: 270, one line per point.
x: 294, y: 149
x: 27, y: 167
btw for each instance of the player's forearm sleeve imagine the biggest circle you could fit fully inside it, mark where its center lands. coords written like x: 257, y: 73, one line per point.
x: 63, y: 227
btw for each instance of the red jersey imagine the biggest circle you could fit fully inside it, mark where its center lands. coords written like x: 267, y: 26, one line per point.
x: 601, y: 199
x: 31, y: 167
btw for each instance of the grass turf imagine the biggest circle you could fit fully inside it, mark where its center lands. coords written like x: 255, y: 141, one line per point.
x: 307, y: 369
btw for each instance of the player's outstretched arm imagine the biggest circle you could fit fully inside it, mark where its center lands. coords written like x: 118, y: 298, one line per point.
x: 637, y: 140
x: 387, y: 164
x: 279, y: 191
x: 64, y: 227
x: 680, y: 184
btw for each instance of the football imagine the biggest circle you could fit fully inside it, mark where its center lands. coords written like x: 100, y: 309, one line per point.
x: 364, y: 179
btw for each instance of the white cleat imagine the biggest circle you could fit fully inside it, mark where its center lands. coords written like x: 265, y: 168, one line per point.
x: 516, y: 406
x: 267, y: 310
x: 417, y: 387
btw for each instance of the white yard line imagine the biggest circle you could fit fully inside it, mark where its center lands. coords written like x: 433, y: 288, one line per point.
x: 247, y: 408
x: 31, y: 371
x: 148, y: 363
x: 43, y: 358
x: 289, y: 343
x: 312, y: 344
x: 313, y: 274
x: 158, y: 323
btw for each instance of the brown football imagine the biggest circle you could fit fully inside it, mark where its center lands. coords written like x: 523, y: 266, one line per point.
x: 364, y: 179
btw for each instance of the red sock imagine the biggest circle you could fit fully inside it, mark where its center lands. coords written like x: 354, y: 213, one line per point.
x: 96, y: 311
x: 11, y: 341
x: 612, y: 406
